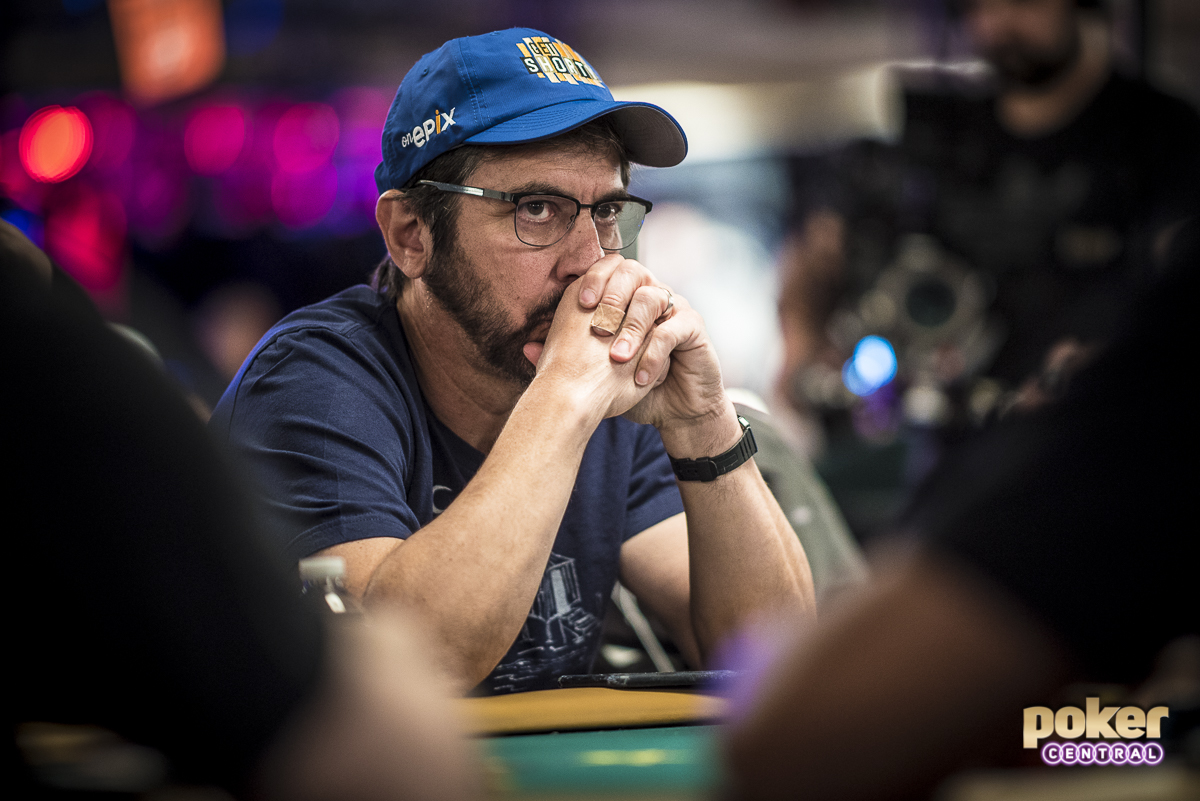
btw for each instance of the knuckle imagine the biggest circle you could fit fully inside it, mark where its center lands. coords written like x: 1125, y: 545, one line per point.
x: 617, y: 294
x: 634, y: 325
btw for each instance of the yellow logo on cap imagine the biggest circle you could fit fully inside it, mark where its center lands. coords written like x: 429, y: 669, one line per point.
x: 552, y: 59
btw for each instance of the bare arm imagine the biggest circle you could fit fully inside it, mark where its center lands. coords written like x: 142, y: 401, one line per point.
x: 474, y: 571
x: 743, y: 558
x: 755, y: 571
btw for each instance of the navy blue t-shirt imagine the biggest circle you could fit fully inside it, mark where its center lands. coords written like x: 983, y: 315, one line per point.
x: 328, y: 413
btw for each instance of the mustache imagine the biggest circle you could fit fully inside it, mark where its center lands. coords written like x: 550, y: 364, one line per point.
x: 542, y: 313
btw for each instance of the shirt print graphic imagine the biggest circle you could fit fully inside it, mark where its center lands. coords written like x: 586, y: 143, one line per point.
x: 557, y: 636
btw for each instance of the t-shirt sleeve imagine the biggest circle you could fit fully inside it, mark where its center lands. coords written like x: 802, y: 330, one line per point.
x: 653, y: 493
x: 326, y: 432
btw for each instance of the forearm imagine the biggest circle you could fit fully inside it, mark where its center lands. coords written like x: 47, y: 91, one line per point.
x: 744, y: 558
x: 474, y: 571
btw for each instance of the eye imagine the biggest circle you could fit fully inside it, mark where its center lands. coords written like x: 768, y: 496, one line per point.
x: 539, y: 209
x: 608, y: 213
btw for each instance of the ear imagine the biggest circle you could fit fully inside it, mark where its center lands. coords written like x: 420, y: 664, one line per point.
x: 406, y: 236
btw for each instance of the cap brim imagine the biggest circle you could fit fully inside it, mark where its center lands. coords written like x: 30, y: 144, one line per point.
x: 651, y: 135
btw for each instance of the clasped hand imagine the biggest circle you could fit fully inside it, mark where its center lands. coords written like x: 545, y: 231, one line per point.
x: 660, y: 368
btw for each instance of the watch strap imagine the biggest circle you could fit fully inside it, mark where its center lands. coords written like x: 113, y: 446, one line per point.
x: 710, y: 468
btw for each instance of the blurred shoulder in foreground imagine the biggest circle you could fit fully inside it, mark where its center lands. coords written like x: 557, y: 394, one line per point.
x: 159, y: 641
x: 1047, y: 551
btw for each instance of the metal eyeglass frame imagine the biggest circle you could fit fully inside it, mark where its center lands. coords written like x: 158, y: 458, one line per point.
x: 515, y: 199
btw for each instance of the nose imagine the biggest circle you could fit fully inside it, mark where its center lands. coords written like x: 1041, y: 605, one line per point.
x: 579, y: 249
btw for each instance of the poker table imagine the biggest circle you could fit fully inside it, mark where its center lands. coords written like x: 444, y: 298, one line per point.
x: 599, y: 743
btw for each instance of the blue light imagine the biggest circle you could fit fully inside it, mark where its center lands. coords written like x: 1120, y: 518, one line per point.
x: 872, y: 366
x: 28, y: 223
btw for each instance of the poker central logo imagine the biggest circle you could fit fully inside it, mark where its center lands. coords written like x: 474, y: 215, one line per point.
x: 556, y: 61
x: 1096, y: 724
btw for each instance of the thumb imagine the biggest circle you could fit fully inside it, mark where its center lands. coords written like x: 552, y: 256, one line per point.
x: 533, y: 351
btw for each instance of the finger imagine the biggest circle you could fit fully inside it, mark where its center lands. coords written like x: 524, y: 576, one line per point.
x: 533, y: 351
x: 675, y: 334
x: 592, y: 283
x: 648, y: 306
x: 606, y: 320
x: 623, y: 282
x: 670, y: 310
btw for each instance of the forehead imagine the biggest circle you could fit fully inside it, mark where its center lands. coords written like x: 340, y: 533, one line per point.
x: 573, y: 169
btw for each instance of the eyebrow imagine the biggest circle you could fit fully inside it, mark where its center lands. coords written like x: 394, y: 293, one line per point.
x: 549, y: 189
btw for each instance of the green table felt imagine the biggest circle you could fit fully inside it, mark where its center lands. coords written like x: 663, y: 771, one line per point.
x: 676, y: 762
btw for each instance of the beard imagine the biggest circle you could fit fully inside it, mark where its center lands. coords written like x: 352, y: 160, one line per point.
x: 1021, y: 66
x: 457, y: 286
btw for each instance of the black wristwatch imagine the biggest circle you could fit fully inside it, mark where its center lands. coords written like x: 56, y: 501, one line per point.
x: 711, y: 467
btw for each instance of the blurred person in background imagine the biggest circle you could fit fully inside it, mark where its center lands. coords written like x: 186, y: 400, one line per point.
x: 461, y: 435
x: 1053, y: 548
x: 231, y: 320
x: 158, y: 641
x: 1001, y: 239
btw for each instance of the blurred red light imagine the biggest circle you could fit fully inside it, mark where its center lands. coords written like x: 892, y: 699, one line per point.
x: 85, y: 233
x: 305, y: 137
x: 15, y: 183
x: 55, y: 143
x: 214, y: 139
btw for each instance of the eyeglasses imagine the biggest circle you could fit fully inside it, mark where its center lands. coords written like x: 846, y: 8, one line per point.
x: 542, y: 219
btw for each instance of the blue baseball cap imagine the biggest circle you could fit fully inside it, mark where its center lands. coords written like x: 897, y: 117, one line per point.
x: 508, y: 87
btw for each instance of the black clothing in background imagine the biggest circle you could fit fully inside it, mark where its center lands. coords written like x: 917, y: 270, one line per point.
x: 144, y: 599
x: 1085, y: 510
x: 1061, y: 226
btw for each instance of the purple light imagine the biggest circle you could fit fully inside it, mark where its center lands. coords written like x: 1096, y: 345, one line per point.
x: 361, y: 111
x: 243, y: 197
x: 305, y: 137
x: 303, y: 199
x: 115, y: 127
x: 160, y: 207
x: 214, y: 138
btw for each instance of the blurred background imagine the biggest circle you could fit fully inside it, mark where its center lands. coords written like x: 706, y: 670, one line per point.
x: 203, y: 167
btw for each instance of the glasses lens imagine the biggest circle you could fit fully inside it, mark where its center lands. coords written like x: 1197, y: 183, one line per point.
x: 618, y: 223
x: 543, y: 219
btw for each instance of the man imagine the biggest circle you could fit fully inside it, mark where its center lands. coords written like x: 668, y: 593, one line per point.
x: 457, y: 435
x: 1078, y: 175
x: 173, y: 649
x: 1001, y: 240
